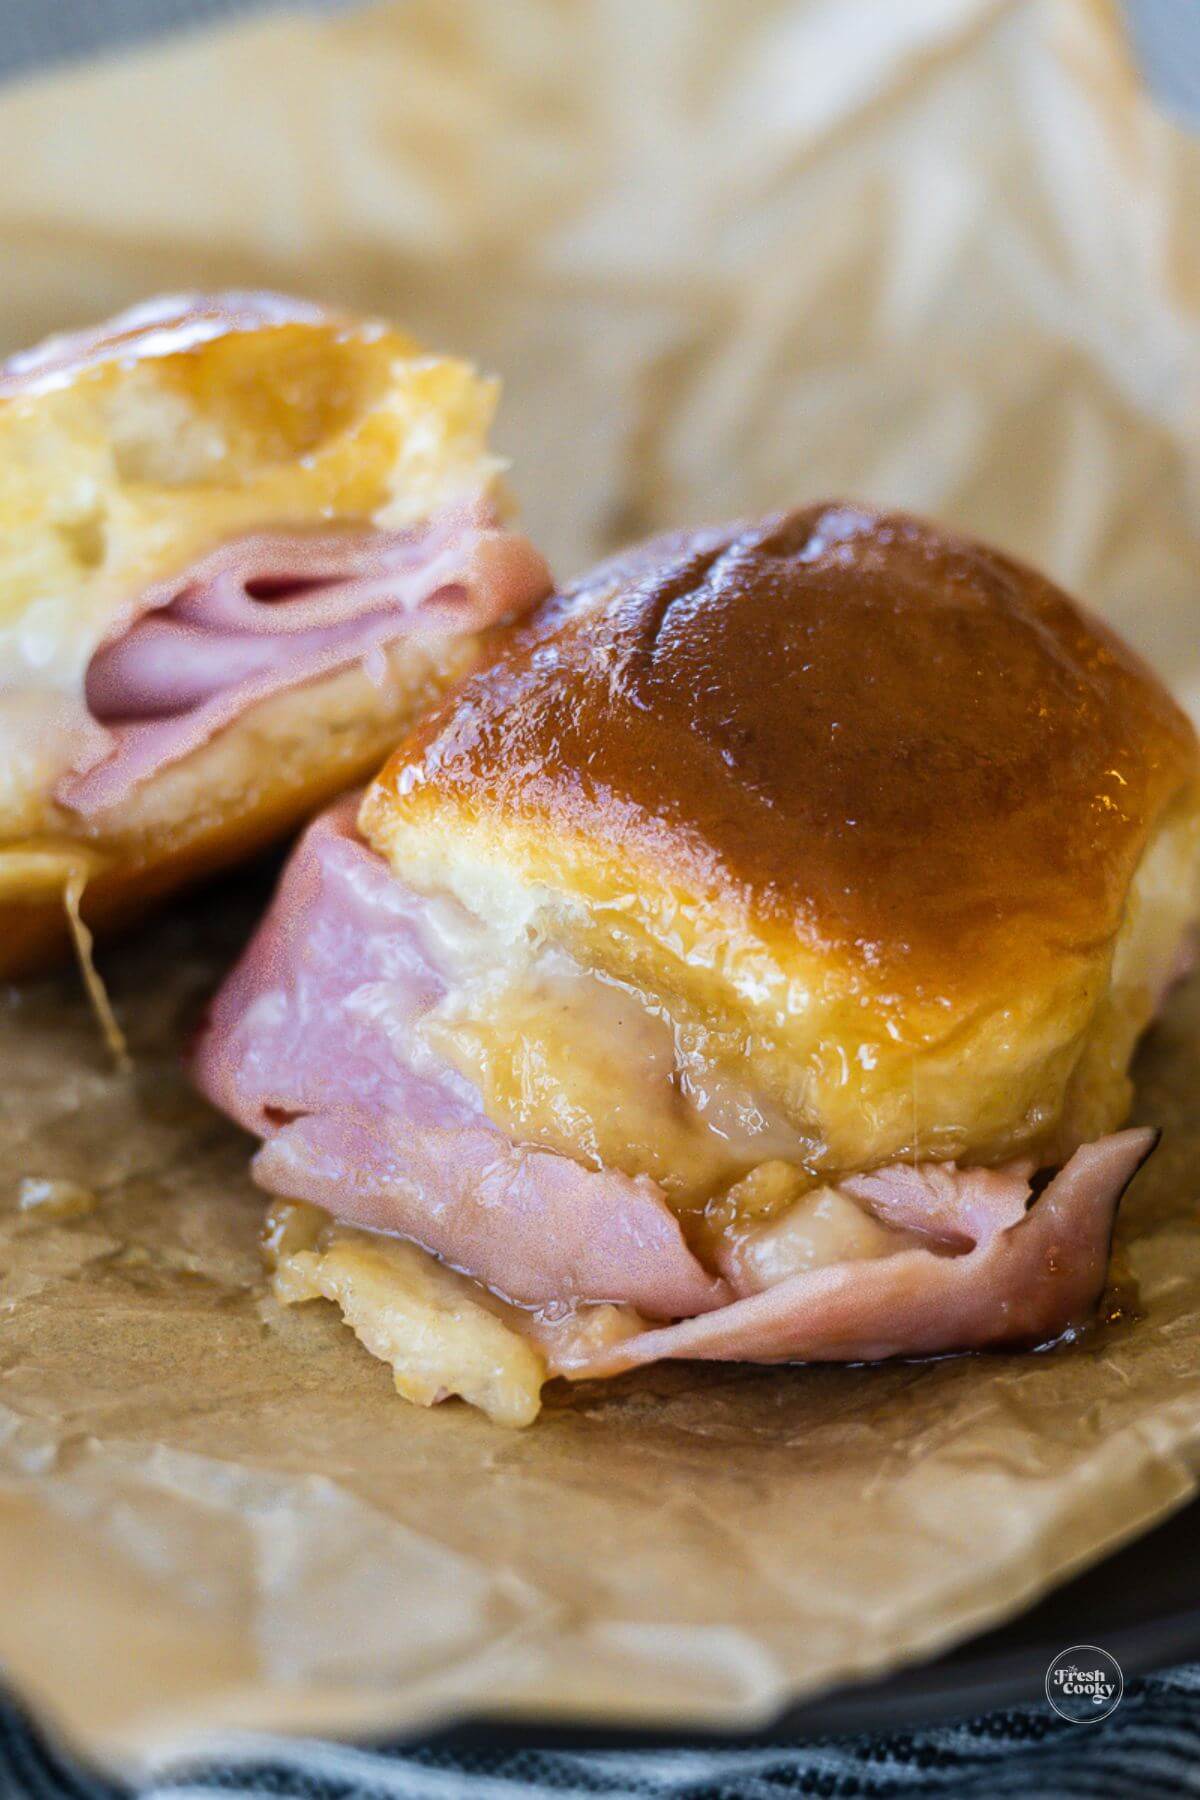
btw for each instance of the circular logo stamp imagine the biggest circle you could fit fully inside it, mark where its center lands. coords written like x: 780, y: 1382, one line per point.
x: 1084, y: 1684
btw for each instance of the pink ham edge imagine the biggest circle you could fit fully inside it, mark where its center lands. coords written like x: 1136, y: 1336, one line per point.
x: 960, y: 1206
x: 1026, y: 1283
x: 310, y: 1045
x: 190, y: 656
x: 535, y: 1227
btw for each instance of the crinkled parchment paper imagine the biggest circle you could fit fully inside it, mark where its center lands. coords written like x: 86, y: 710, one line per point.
x: 726, y: 257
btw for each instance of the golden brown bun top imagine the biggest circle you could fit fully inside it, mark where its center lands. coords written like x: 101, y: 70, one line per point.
x: 165, y: 325
x: 849, y: 726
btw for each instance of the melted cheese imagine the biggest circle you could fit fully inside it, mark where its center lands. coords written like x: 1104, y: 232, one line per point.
x: 774, y: 1227
x: 572, y: 1062
x: 439, y: 1332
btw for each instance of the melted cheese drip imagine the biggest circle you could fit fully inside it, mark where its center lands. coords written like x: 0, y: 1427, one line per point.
x: 774, y: 1226
x: 574, y: 1062
x: 440, y: 1333
x: 97, y: 993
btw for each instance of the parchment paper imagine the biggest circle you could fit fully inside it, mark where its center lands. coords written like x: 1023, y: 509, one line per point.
x: 727, y: 257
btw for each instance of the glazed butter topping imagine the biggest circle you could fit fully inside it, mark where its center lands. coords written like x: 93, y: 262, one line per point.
x: 891, y: 748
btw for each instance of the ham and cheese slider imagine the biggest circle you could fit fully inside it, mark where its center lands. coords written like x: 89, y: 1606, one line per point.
x: 745, y: 965
x: 242, y: 543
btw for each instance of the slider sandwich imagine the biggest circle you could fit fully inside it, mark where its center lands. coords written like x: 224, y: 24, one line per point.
x: 244, y: 542
x: 746, y: 964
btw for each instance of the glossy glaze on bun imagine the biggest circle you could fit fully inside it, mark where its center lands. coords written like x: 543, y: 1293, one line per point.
x: 862, y: 804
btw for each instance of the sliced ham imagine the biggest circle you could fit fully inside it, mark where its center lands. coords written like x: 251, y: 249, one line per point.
x: 960, y: 1206
x: 1025, y: 1282
x: 313, y: 1045
x: 535, y: 1227
x: 310, y: 1044
x: 275, y: 610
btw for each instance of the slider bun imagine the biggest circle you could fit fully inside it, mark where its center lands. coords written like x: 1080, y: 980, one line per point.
x: 874, y: 813
x: 127, y: 453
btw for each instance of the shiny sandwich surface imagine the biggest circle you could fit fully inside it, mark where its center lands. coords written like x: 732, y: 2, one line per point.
x: 745, y: 964
x: 244, y: 542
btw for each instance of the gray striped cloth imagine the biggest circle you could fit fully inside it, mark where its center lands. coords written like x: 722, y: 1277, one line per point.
x: 1149, y: 1749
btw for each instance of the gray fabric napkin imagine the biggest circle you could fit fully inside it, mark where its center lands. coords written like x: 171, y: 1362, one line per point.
x: 1148, y: 1748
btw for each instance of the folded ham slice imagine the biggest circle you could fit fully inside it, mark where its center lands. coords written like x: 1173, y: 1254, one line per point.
x: 312, y: 1044
x: 272, y: 611
x: 1029, y: 1277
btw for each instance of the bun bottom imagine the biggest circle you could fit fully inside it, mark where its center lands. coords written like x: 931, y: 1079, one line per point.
x: 251, y: 786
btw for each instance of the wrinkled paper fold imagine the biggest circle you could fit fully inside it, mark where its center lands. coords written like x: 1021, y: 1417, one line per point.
x: 726, y: 258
